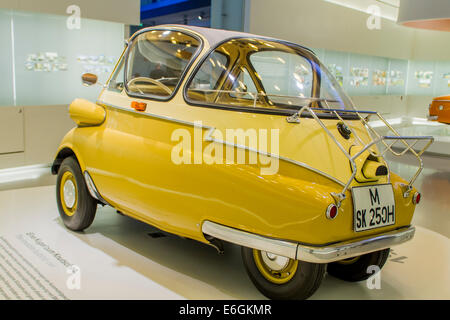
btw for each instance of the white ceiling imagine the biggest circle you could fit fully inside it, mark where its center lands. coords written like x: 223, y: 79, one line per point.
x: 394, y: 3
x: 388, y: 8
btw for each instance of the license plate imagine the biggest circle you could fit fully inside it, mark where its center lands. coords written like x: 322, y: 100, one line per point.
x: 373, y: 207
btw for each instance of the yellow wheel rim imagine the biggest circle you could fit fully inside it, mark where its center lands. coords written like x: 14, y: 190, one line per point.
x: 274, y: 268
x: 68, y: 193
x: 349, y: 260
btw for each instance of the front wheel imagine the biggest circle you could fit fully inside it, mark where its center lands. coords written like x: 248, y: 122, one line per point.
x: 357, y: 268
x: 76, y: 206
x: 281, y: 278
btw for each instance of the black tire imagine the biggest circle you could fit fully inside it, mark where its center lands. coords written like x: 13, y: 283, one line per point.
x: 83, y: 212
x: 357, y: 270
x: 302, y: 285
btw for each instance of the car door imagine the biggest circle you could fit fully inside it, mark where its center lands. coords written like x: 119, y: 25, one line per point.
x: 132, y: 160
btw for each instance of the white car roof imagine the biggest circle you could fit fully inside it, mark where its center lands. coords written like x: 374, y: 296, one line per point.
x: 213, y: 36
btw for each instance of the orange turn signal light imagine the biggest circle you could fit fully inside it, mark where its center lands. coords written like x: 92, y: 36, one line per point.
x: 138, y: 106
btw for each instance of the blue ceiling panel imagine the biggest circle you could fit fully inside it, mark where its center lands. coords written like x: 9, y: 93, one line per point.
x: 165, y: 7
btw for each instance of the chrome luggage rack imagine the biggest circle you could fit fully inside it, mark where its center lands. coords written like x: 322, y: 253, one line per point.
x: 389, y: 141
x: 373, y: 134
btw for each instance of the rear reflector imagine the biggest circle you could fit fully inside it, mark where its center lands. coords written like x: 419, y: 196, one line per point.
x: 416, y: 198
x: 332, y: 211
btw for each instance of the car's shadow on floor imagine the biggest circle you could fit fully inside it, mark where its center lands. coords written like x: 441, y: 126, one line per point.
x: 190, y: 262
x: 191, y: 269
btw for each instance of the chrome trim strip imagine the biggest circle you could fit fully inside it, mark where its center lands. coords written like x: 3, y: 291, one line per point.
x: 175, y: 28
x: 93, y: 189
x: 151, y: 115
x: 279, y: 247
x: 90, y: 185
x: 345, y: 250
x: 210, y: 139
x: 297, y: 251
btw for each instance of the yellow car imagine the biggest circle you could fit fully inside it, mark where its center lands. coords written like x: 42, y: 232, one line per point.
x: 218, y: 136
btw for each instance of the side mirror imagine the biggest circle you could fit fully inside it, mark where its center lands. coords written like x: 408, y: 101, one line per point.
x: 89, y: 79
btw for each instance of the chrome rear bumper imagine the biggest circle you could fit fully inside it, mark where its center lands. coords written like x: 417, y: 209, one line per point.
x: 331, y: 253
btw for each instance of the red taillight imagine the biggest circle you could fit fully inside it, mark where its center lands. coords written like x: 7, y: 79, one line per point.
x: 332, y: 211
x: 416, y: 198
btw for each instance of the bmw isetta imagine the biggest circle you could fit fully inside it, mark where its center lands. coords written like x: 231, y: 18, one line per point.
x: 223, y: 136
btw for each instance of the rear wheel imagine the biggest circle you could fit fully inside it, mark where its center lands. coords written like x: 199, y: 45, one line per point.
x: 355, y: 269
x: 281, y: 278
x: 76, y: 206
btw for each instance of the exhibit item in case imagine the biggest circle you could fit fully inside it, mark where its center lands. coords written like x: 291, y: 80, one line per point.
x: 359, y: 77
x: 96, y: 64
x: 48, y: 61
x: 440, y: 109
x: 379, y: 77
x: 424, y: 78
x: 337, y: 72
x: 222, y: 136
x: 395, y: 78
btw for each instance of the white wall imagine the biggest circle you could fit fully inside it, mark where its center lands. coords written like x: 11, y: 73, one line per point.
x: 31, y: 134
x: 321, y: 24
x: 227, y: 14
x: 11, y: 130
x: 388, y: 106
x: 40, y: 131
x: 122, y: 11
x: 412, y: 10
x: 395, y: 106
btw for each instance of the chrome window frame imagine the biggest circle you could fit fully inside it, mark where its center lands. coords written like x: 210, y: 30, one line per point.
x: 120, y: 64
x: 130, y: 44
x: 272, y: 111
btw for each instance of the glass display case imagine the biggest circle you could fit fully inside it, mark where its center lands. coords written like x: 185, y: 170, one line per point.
x: 43, y: 60
x: 6, y: 61
x: 396, y: 82
x: 362, y: 75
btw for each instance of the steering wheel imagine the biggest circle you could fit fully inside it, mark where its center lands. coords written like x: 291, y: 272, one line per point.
x: 153, y: 81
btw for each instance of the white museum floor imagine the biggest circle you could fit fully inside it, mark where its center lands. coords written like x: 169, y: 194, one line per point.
x: 118, y: 259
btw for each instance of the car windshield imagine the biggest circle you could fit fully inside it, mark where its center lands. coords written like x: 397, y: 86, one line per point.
x: 259, y: 73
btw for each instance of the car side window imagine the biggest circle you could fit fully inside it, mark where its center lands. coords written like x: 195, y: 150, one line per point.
x: 283, y: 73
x: 207, y: 77
x: 157, y: 61
x: 243, y: 83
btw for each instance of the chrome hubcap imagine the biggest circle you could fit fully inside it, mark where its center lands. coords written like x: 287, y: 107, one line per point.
x: 273, y: 261
x: 69, y: 194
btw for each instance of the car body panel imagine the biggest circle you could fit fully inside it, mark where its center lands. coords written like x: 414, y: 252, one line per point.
x: 177, y: 198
